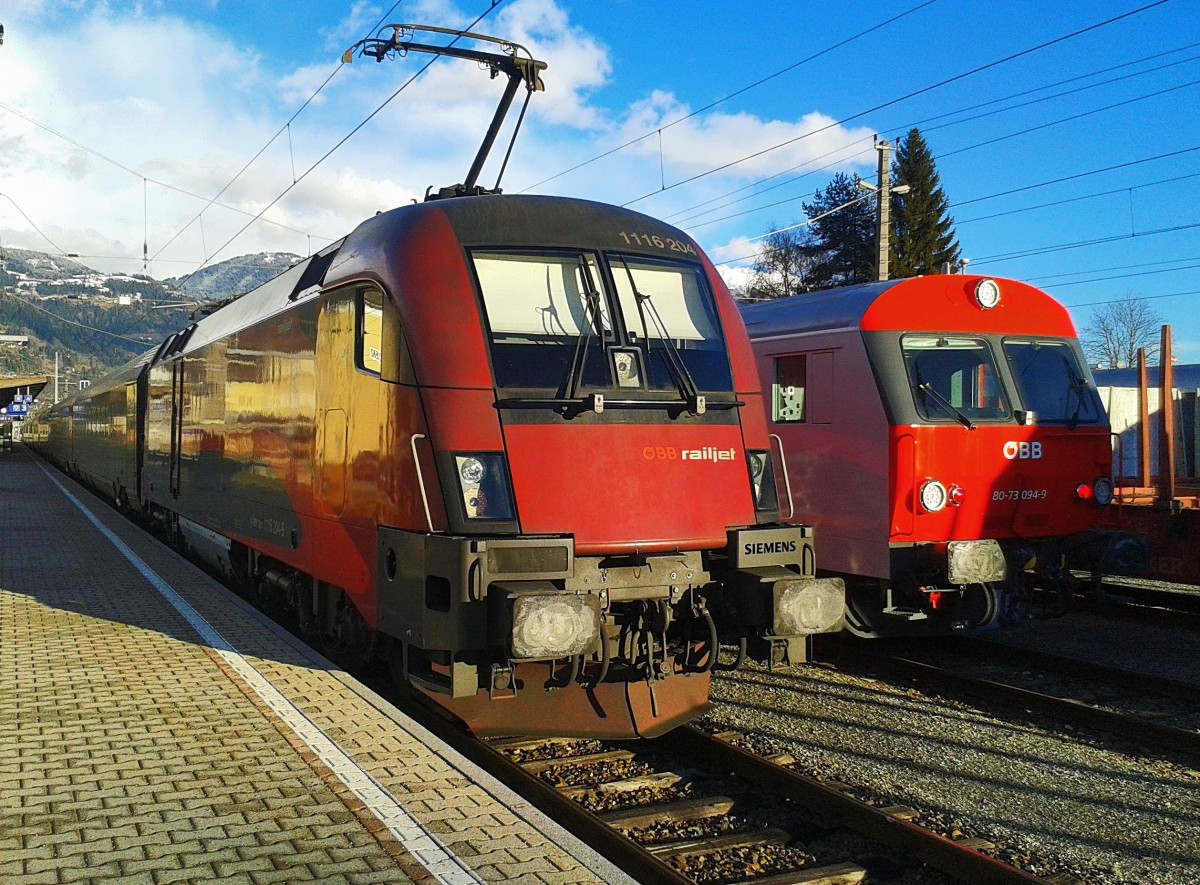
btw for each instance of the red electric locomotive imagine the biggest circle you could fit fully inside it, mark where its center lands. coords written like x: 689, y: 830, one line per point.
x: 516, y: 443
x: 945, y: 437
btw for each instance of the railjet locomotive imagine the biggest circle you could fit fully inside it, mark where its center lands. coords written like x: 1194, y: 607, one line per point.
x: 944, y: 435
x: 515, y: 443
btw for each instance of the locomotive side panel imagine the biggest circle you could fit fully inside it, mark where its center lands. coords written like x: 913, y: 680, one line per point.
x: 827, y: 413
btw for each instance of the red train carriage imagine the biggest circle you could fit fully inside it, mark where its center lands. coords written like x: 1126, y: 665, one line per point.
x: 517, y: 441
x: 945, y: 437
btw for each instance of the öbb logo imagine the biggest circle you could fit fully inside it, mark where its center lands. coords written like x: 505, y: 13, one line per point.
x: 668, y: 453
x: 1022, y: 450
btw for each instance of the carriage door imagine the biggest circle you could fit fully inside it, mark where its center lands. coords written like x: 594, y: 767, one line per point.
x: 176, y: 425
x: 335, y: 367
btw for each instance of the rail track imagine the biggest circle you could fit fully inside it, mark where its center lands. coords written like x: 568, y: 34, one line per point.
x: 1150, y: 602
x: 697, y: 808
x: 1152, y: 713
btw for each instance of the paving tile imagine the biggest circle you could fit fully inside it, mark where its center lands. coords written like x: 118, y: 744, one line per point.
x: 137, y: 755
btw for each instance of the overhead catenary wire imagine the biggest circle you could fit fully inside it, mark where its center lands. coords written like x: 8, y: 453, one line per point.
x: 959, y: 222
x: 957, y: 77
x: 693, y: 218
x: 285, y: 127
x: 1023, y: 188
x: 732, y: 95
x: 138, y: 175
x: 342, y: 141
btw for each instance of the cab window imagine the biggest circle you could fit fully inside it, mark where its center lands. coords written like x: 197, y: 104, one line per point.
x: 381, y: 348
x: 954, y: 378
x: 1052, y: 383
x: 370, y: 331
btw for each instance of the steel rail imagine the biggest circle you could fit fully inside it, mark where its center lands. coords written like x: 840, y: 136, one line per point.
x: 1140, y: 731
x: 956, y: 860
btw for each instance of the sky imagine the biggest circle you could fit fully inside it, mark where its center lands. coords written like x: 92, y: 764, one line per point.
x: 155, y: 137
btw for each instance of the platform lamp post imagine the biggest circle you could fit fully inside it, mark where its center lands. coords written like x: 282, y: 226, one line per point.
x: 883, y: 207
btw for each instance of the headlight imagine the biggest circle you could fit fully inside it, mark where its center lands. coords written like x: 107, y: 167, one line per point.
x: 471, y: 470
x: 933, y: 496
x: 1103, y: 490
x: 987, y: 294
x: 762, y: 482
x: 554, y: 626
x: 808, y: 605
x: 483, y: 481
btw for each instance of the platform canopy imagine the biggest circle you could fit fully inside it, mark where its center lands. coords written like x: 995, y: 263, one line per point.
x: 12, y: 386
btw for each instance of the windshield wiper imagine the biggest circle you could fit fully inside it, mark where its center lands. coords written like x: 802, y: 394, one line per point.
x: 675, y: 365
x: 1079, y: 388
x: 929, y: 390
x: 592, y: 318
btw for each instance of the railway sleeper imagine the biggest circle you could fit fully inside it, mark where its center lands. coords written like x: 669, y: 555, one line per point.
x: 747, y: 839
x: 834, y: 874
x: 660, y: 781
x: 685, y: 810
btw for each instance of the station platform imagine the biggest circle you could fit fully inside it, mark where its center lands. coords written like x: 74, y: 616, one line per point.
x: 155, y: 728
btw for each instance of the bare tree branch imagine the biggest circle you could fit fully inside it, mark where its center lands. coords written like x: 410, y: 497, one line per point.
x: 1116, y: 330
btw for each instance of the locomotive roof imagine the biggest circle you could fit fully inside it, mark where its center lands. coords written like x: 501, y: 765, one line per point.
x: 493, y: 220
x: 941, y: 303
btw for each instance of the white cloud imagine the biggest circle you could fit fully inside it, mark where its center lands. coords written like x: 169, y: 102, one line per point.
x: 735, y: 277
x: 755, y: 147
x: 737, y: 251
x: 185, y: 106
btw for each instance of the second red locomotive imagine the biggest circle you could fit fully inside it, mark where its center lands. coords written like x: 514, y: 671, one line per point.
x: 945, y: 437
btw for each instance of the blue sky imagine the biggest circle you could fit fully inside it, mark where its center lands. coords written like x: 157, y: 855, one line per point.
x: 1074, y: 165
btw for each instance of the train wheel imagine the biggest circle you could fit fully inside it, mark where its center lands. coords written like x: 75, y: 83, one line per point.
x: 341, y: 632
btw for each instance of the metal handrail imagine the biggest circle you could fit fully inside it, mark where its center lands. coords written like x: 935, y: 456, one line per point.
x: 421, y: 478
x: 787, y: 481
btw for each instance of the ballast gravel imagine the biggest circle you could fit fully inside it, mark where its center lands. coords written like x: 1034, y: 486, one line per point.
x: 1065, y: 801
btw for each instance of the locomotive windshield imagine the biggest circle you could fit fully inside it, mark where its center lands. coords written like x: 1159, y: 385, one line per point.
x: 1051, y: 382
x: 574, y: 321
x: 954, y: 378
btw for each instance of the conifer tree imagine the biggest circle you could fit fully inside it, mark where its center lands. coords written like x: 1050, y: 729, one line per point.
x: 923, y: 239
x: 841, y: 246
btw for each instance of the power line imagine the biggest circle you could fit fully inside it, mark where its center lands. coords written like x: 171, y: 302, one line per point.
x: 1044, y: 98
x: 1041, y: 184
x: 347, y: 137
x: 1079, y: 273
x: 1046, y: 250
x: 1125, y: 276
x: 140, y: 176
x: 905, y: 127
x: 894, y: 101
x: 1078, y: 175
x: 1119, y: 190
x: 25, y: 303
x: 711, y: 105
x: 1140, y: 298
x: 285, y: 127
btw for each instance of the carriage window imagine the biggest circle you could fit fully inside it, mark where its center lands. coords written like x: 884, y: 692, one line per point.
x: 370, y: 331
x: 787, y: 392
x: 954, y: 378
x: 1051, y: 383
